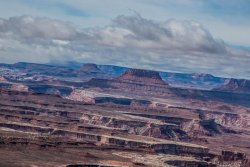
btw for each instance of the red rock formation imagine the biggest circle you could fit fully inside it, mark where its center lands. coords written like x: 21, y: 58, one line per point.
x: 142, y: 76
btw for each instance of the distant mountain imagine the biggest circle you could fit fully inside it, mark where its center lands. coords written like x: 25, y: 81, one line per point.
x: 33, y: 66
x: 195, y: 80
x: 237, y: 85
x: 87, y: 71
x: 44, y: 69
x: 108, y: 69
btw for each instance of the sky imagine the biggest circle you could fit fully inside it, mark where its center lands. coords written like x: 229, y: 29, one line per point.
x: 189, y: 36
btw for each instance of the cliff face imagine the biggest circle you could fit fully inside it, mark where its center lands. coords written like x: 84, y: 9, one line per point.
x: 142, y: 76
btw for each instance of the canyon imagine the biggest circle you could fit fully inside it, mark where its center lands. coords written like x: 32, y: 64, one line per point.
x: 98, y: 115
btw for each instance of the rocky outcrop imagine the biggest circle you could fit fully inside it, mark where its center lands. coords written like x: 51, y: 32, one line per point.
x: 227, y: 119
x: 142, y: 76
x: 133, y: 80
x: 204, y: 127
x: 137, y: 127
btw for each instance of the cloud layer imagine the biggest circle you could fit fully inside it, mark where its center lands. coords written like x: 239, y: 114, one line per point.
x: 172, y: 45
x: 135, y: 31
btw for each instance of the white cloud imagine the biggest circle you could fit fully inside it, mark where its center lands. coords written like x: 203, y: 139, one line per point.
x: 138, y: 32
x: 27, y: 27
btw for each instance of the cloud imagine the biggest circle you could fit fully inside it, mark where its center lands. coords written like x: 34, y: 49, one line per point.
x: 134, y: 41
x: 228, y: 20
x: 138, y: 32
x: 27, y: 27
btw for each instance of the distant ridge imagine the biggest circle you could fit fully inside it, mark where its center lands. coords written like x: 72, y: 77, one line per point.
x: 239, y: 85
